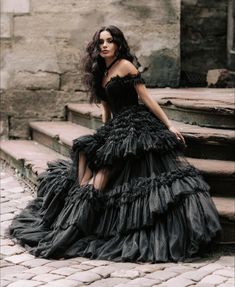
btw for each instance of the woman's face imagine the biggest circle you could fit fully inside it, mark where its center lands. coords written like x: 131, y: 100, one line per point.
x: 106, y: 45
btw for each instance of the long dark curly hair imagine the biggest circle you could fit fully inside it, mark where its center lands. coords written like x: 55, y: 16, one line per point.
x: 94, y: 65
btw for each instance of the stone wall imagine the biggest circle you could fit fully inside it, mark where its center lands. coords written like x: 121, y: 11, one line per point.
x: 43, y: 42
x: 203, y: 37
x: 231, y: 36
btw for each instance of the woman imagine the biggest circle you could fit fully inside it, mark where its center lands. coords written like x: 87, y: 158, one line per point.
x: 128, y: 194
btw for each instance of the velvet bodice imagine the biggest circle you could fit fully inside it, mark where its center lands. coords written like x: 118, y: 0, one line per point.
x: 119, y: 92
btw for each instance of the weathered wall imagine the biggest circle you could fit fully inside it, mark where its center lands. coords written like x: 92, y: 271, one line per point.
x: 231, y: 36
x: 43, y: 42
x: 203, y: 36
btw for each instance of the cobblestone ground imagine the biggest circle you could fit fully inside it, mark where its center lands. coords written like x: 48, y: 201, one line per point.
x: 20, y: 269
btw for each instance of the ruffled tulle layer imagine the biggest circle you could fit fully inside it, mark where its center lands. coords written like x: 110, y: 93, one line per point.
x: 154, y: 207
x: 160, y: 218
x: 132, y: 132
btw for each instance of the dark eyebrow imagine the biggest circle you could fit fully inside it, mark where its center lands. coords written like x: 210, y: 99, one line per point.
x: 107, y: 38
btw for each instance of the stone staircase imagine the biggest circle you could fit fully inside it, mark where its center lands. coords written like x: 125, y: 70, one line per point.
x: 205, y: 118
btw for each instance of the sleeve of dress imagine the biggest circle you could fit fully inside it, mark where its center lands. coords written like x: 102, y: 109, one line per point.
x: 135, y: 79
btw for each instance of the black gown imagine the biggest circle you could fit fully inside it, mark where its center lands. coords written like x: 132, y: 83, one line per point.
x: 155, y: 206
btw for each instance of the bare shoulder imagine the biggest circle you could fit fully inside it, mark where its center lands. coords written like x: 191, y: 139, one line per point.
x: 127, y: 67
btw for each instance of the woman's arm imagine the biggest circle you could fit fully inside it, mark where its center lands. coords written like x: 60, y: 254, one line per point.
x: 128, y: 67
x: 156, y: 109
x: 106, y: 113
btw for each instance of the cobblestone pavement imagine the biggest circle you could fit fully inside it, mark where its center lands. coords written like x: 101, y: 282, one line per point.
x: 20, y: 269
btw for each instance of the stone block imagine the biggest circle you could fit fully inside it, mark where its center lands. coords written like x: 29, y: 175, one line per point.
x: 178, y: 281
x: 59, y: 6
x: 195, y: 275
x: 131, y: 8
x: 5, y: 26
x: 19, y: 258
x: 81, y: 267
x: 35, y: 81
x: 19, y: 128
x: 11, y: 250
x: 96, y: 263
x: 130, y: 274
x: 6, y: 241
x: 66, y: 271
x: 25, y: 283
x: 35, y: 262
x: 41, y: 105
x: 4, y: 126
x: 12, y: 270
x: 17, y: 276
x: 179, y: 269
x: 213, y: 280
x: 4, y: 79
x: 65, y: 282
x: 161, y: 275
x: 228, y: 261
x: 218, y: 78
x: 69, y: 58
x: 46, y: 25
x: 40, y: 270
x: 148, y: 268
x: 229, y: 272
x: 108, y: 282
x: 33, y: 56
x: 71, y: 81
x: 15, y: 6
x: 231, y: 281
x: 142, y: 282
x: 104, y: 271
x: 85, y: 276
x: 58, y: 263
x: 163, y: 69
x: 47, y: 277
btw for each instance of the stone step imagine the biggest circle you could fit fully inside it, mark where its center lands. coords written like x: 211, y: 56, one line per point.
x: 59, y: 135
x: 201, y: 106
x: 203, y: 142
x: 219, y: 174
x: 226, y: 210
x: 30, y: 158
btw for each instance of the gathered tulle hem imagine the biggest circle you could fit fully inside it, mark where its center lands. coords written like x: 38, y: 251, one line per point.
x: 174, y: 237
x: 147, y: 219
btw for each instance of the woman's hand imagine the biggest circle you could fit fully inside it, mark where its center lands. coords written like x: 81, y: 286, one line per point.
x: 177, y: 134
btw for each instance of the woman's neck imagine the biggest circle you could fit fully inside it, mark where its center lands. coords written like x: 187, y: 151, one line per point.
x: 108, y: 61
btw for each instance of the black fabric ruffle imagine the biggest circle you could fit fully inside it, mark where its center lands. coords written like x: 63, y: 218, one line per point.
x: 130, y: 222
x: 129, y: 79
x: 155, y: 207
x: 177, y: 235
x: 132, y: 132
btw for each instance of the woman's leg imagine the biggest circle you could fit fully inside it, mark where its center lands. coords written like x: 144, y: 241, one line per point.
x: 85, y: 175
x: 101, y: 179
x: 84, y: 172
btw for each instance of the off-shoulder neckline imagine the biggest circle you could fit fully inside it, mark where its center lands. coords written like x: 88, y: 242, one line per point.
x: 121, y: 78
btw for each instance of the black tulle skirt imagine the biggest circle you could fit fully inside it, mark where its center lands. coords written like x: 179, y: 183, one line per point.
x: 155, y: 206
